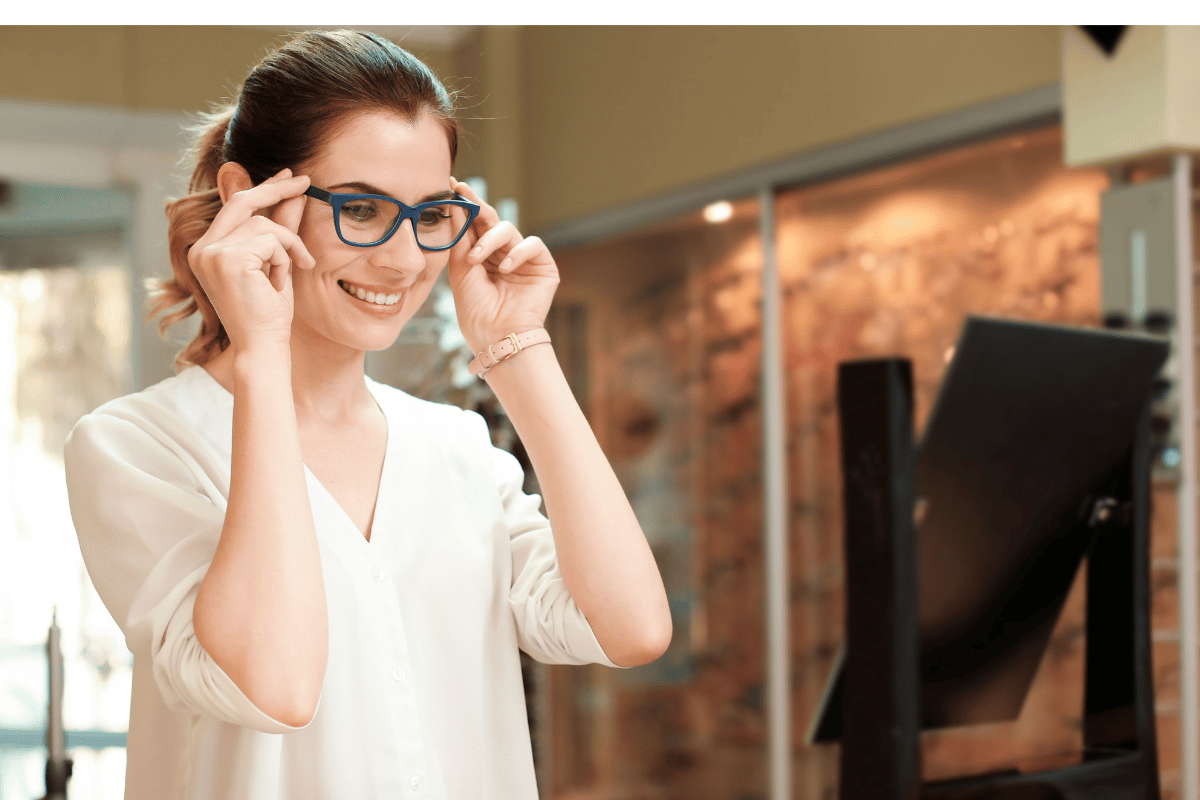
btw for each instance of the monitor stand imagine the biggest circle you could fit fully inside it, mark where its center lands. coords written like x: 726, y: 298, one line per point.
x: 880, y: 691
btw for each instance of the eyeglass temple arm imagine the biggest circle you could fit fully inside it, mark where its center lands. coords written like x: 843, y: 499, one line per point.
x: 321, y: 194
x: 311, y: 191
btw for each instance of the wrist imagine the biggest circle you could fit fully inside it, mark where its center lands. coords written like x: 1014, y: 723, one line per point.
x: 263, y: 361
x: 523, y: 373
x: 505, y: 348
x: 481, y: 341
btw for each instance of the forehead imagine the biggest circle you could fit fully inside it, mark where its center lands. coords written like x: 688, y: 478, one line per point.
x: 407, y: 158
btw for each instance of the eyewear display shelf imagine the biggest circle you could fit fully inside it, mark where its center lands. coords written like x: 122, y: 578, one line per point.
x: 901, y: 672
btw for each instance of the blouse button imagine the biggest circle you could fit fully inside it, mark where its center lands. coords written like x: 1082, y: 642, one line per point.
x: 397, y: 674
x: 378, y: 574
x: 415, y: 782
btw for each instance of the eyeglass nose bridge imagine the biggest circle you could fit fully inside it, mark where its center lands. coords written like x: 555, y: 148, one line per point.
x: 406, y: 213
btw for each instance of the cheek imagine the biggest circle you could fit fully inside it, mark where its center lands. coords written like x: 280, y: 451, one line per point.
x: 434, y: 264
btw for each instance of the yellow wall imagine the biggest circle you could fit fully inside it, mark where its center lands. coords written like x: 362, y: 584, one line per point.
x: 170, y: 67
x: 574, y: 120
x: 487, y: 65
x: 614, y: 114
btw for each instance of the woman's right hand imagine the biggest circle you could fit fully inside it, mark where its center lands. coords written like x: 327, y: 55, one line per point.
x: 244, y: 259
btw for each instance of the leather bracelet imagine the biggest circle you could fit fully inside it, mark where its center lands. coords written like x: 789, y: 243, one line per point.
x: 505, y: 349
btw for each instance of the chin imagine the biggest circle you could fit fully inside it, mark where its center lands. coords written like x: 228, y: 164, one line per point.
x: 374, y: 340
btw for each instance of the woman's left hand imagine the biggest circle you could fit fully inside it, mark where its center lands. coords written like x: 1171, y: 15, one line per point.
x: 502, y: 282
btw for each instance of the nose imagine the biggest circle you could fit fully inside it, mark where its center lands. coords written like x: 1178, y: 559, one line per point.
x: 400, y: 252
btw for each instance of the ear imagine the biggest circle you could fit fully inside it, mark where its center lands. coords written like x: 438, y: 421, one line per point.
x: 231, y: 179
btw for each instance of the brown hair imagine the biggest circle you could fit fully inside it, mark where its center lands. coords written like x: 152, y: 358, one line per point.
x: 289, y: 106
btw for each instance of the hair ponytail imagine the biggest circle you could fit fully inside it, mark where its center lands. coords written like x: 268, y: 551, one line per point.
x: 188, y: 218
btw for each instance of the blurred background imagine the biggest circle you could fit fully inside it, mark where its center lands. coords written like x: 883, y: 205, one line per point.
x: 896, y: 179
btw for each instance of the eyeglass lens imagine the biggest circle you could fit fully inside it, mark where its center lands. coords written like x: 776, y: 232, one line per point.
x: 367, y: 220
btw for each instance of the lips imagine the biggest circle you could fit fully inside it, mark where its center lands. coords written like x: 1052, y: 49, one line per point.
x: 378, y: 298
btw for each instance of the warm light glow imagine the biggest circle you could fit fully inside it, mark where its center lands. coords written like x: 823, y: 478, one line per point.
x: 719, y: 211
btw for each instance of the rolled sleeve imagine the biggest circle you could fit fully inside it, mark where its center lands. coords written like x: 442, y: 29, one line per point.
x: 148, y: 520
x: 550, y: 625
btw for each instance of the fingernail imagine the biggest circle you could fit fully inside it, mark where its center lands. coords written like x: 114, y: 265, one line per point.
x: 477, y: 251
x: 504, y: 265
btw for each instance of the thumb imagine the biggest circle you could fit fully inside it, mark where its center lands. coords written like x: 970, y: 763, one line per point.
x: 289, y: 212
x: 457, y: 268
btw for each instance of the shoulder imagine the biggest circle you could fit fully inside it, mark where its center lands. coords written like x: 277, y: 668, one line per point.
x: 183, y: 394
x: 171, y: 415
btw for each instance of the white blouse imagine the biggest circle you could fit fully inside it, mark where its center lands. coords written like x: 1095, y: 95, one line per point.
x: 422, y: 695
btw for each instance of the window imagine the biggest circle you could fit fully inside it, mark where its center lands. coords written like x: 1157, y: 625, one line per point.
x: 64, y: 349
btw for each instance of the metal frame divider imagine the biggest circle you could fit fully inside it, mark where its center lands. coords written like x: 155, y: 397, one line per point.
x: 1189, y: 632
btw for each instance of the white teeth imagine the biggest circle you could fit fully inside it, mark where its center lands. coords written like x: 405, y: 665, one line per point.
x: 380, y: 299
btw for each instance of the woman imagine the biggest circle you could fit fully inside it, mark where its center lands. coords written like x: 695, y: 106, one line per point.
x: 325, y: 581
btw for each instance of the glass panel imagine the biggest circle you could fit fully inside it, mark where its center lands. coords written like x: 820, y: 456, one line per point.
x: 64, y: 341
x: 888, y: 263
x: 667, y: 322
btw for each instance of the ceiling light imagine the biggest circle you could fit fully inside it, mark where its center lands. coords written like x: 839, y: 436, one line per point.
x: 719, y: 211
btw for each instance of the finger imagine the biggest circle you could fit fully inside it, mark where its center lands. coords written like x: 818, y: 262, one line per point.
x: 288, y: 215
x: 486, y: 220
x: 280, y: 274
x: 499, y: 239
x: 459, y: 269
x: 274, y: 258
x: 529, y: 249
x: 266, y: 247
x: 243, y: 205
x: 226, y: 264
x: 465, y: 243
x: 258, y: 226
x: 289, y: 212
x: 487, y: 217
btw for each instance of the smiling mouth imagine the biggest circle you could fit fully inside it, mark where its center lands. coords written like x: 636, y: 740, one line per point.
x: 370, y: 297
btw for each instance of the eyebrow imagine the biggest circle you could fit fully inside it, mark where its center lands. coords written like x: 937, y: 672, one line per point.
x: 367, y: 188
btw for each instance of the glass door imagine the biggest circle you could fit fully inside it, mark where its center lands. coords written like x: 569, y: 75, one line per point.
x: 660, y: 334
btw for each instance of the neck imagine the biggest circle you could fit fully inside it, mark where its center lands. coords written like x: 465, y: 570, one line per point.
x: 327, y: 379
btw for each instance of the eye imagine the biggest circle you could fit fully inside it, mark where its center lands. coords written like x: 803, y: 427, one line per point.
x: 434, y: 215
x: 359, y: 210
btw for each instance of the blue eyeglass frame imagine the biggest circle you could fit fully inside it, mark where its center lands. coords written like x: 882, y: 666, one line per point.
x: 337, y: 200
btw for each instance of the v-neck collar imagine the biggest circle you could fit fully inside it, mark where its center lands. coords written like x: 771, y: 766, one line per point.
x: 381, y: 505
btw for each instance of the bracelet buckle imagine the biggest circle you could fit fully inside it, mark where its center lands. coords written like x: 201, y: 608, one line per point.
x: 479, y: 365
x: 516, y: 348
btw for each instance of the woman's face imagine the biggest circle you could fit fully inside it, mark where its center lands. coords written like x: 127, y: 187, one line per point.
x: 374, y: 153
